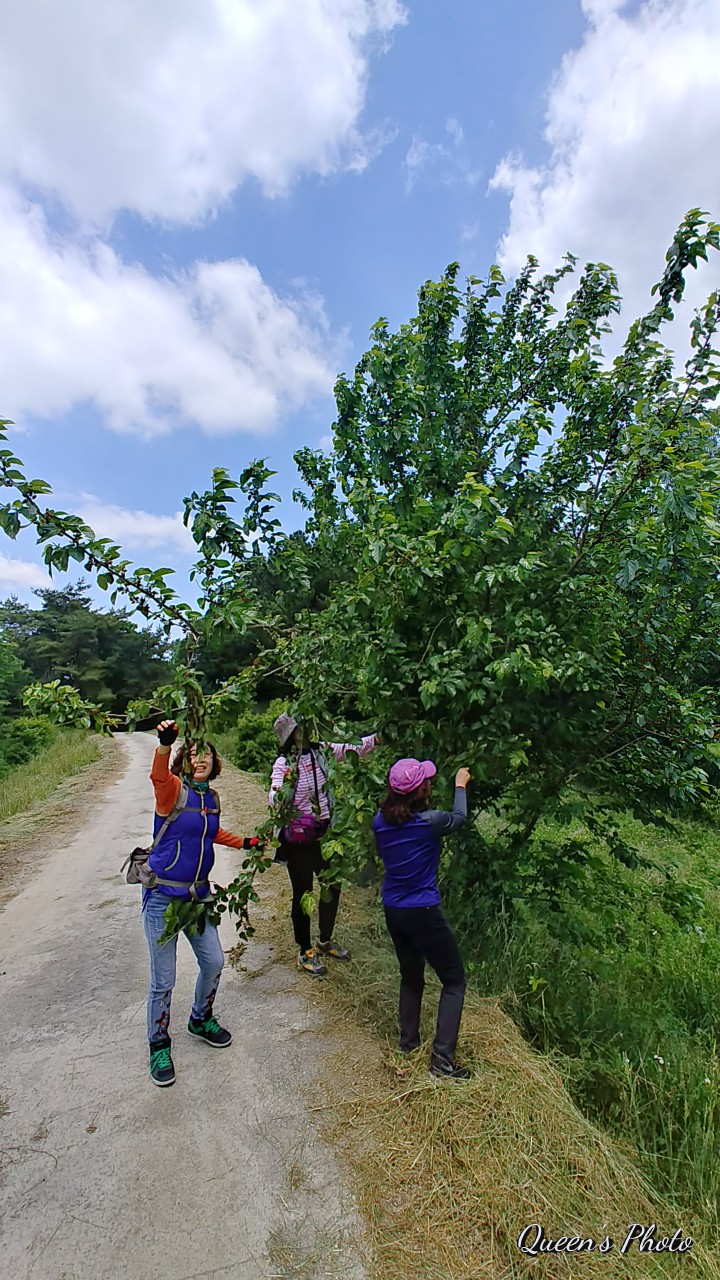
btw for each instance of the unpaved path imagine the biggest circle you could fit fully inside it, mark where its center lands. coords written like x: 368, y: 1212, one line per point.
x: 103, y: 1175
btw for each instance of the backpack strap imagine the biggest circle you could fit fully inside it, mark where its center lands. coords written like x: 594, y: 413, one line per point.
x: 315, y: 778
x: 327, y: 791
x: 174, y: 813
x: 216, y: 798
x: 322, y: 764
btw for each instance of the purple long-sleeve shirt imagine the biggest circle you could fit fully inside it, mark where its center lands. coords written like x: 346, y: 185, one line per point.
x: 410, y: 852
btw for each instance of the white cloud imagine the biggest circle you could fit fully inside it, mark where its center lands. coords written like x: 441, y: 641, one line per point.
x: 134, y: 528
x: 213, y: 345
x: 22, y: 573
x: 633, y: 127
x: 446, y: 162
x: 166, y: 107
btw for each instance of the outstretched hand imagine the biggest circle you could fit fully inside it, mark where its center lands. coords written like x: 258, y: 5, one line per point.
x: 462, y: 777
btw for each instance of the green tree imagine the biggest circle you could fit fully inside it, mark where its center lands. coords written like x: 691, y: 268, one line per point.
x: 14, y: 676
x: 105, y: 656
x: 530, y: 542
x: 520, y: 546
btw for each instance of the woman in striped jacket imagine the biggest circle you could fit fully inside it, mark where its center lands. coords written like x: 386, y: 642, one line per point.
x: 300, y: 840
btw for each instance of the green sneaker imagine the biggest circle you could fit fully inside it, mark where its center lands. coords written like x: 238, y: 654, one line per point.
x: 210, y: 1031
x: 162, y: 1071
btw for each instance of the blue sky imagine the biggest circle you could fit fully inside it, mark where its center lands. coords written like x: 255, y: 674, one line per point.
x: 212, y: 201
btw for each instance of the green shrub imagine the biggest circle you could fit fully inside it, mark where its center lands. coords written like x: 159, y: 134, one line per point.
x: 251, y: 743
x: 21, y: 739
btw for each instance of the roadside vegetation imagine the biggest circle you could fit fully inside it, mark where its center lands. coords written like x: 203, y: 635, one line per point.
x: 60, y: 754
x: 509, y: 562
x: 617, y: 984
x: 447, y: 1177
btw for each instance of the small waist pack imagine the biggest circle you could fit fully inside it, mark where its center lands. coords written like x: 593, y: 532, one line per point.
x: 304, y: 829
x: 138, y: 870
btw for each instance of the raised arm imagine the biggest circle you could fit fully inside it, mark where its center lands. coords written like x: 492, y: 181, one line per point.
x: 363, y: 748
x: 165, y: 784
x: 443, y: 821
x: 279, y: 770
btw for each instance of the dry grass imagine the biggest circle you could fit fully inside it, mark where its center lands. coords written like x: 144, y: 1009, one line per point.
x: 296, y: 1252
x: 447, y: 1175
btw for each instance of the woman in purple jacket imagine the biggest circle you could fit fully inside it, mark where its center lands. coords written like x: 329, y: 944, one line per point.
x: 407, y: 833
x: 182, y: 858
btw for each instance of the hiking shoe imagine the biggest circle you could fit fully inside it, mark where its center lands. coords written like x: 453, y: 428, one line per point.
x: 308, y: 961
x: 210, y: 1031
x: 333, y: 948
x: 162, y: 1071
x: 445, y: 1070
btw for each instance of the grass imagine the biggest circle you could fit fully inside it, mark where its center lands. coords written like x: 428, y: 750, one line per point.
x: 446, y: 1175
x: 33, y: 782
x: 621, y: 984
x: 225, y: 742
x: 295, y: 1252
x: 585, y: 1138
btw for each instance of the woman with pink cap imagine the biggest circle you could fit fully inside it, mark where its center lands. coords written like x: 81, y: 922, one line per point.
x: 407, y: 833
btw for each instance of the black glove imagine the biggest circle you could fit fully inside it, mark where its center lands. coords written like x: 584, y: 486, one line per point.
x: 250, y: 842
x: 167, y: 736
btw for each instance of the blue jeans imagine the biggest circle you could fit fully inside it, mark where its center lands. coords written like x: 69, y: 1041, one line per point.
x: 208, y: 953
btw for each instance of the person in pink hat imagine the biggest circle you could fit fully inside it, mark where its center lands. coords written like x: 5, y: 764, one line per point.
x: 408, y: 834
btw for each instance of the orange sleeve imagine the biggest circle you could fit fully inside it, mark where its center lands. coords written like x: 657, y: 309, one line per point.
x: 165, y: 784
x: 227, y: 837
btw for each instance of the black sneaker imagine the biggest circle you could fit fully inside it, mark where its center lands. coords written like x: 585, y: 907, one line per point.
x: 162, y: 1071
x: 446, y: 1070
x: 210, y: 1031
x: 333, y: 948
x: 308, y: 960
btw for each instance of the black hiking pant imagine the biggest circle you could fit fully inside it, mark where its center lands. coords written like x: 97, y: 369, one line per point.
x: 420, y: 935
x: 304, y: 861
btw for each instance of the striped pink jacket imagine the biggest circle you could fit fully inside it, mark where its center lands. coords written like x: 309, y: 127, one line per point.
x: 305, y: 790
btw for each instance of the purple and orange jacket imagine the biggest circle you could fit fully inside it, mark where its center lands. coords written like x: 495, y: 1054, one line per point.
x: 185, y: 852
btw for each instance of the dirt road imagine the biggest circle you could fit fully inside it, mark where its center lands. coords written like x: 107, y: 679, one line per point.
x: 104, y: 1175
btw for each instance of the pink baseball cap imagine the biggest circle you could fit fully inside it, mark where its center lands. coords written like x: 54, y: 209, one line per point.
x: 406, y: 775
